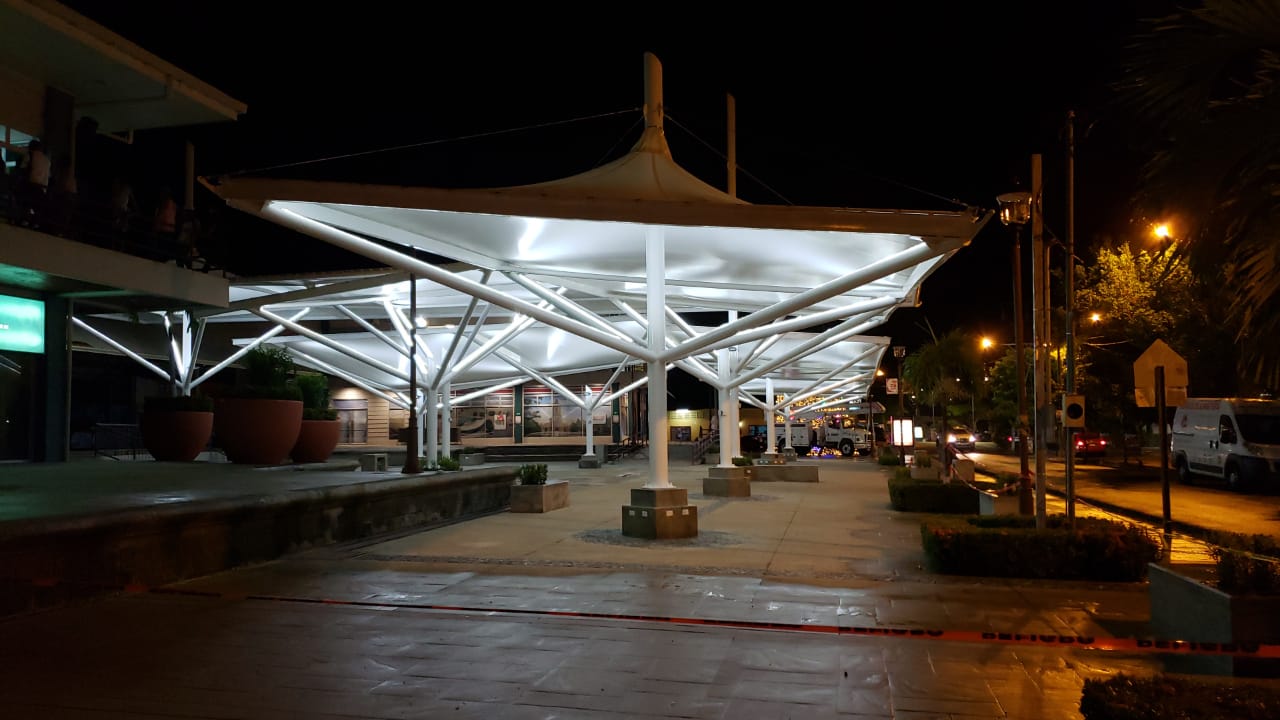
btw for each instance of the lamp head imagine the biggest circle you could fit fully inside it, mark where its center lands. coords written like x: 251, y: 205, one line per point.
x: 1015, y: 208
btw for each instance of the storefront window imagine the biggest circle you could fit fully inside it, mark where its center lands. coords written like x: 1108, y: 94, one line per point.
x: 488, y: 416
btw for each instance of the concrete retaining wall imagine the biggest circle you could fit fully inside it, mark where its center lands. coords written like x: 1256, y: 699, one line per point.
x: 55, y: 560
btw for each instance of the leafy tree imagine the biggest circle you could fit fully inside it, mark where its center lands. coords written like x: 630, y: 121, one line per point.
x: 1203, y: 82
x: 1004, y: 389
x: 1141, y: 296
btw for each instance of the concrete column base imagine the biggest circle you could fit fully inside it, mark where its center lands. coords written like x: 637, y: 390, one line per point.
x: 771, y: 458
x: 789, y: 454
x: 590, y: 460
x: 726, y: 486
x: 786, y: 473
x: 660, y: 513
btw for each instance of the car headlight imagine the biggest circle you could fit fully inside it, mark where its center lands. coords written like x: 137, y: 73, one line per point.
x: 951, y: 438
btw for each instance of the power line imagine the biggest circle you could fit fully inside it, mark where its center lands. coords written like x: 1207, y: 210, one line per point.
x: 722, y: 156
x: 440, y: 141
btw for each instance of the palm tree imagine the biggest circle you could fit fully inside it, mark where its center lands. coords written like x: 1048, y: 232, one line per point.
x: 1205, y: 79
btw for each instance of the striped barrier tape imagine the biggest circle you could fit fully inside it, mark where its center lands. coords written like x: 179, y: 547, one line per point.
x: 1083, y: 642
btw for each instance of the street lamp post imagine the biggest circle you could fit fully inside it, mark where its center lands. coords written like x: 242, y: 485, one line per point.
x: 900, y: 352
x: 1015, y: 210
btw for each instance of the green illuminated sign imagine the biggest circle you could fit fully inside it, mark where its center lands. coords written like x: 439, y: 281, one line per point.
x: 21, y: 324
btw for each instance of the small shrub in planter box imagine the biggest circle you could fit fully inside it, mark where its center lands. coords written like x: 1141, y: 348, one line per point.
x: 889, y: 456
x: 533, y: 474
x: 1011, y: 546
x: 447, y: 463
x: 1244, y: 563
x: 931, y: 496
x: 743, y: 461
x: 1161, y: 697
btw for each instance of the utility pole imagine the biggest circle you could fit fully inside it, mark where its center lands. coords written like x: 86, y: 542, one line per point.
x: 1070, y: 380
x: 1040, y: 304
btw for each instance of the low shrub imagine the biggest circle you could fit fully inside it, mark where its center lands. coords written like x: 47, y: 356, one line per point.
x: 1124, y: 697
x: 180, y: 403
x: 533, y: 474
x: 889, y: 456
x: 931, y: 496
x: 447, y: 463
x: 923, y: 459
x: 1011, y: 546
x: 743, y: 461
x: 1246, y: 564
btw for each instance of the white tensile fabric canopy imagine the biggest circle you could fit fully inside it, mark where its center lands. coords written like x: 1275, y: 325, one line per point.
x: 644, y: 236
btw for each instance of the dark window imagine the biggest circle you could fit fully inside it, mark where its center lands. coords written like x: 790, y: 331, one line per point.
x: 1226, y: 430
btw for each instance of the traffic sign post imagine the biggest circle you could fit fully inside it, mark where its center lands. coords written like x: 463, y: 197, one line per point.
x: 1160, y: 380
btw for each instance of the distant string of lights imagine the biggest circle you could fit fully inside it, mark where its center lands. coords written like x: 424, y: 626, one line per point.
x: 438, y: 141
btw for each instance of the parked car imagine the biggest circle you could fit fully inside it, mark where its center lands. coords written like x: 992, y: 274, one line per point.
x: 1090, y: 444
x: 961, y: 438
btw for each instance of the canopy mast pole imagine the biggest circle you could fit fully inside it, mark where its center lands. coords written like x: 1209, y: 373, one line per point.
x: 732, y: 158
x: 656, y: 267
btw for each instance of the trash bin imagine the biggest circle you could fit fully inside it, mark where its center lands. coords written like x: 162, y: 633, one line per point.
x: 962, y: 469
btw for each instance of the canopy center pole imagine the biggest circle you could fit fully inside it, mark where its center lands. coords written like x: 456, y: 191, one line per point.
x: 656, y: 270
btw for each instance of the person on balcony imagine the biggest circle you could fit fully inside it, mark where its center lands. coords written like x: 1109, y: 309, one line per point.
x: 35, y: 184
x: 164, y: 225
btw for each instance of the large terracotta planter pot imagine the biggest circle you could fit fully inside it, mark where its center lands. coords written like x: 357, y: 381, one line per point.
x: 255, y: 431
x: 316, y: 441
x: 176, y: 435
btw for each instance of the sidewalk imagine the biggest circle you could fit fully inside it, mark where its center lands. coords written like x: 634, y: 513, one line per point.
x: 558, y: 615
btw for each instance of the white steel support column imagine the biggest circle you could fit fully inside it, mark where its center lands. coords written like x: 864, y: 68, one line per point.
x: 430, y: 407
x: 736, y: 435
x: 786, y: 419
x: 723, y: 396
x: 446, y: 418
x: 588, y: 409
x: 770, y: 412
x: 656, y: 271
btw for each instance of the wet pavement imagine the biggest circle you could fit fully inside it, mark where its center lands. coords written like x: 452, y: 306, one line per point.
x: 559, y: 615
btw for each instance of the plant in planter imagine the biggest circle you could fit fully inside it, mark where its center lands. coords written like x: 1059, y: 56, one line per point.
x: 532, y: 474
x: 320, y: 429
x: 176, y: 428
x: 447, y: 463
x: 533, y: 494
x: 743, y: 461
x: 1237, y: 603
x: 258, y: 421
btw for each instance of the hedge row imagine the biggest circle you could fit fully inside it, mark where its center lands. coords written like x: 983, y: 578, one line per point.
x: 1011, y: 546
x: 1246, y: 563
x: 1172, y: 698
x: 931, y: 496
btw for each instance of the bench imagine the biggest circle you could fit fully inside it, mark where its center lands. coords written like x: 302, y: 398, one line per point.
x: 373, y: 462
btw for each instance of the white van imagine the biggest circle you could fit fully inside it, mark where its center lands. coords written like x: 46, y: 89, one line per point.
x: 1231, y: 439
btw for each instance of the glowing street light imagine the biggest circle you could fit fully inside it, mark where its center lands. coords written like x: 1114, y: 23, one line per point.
x: 1095, y: 317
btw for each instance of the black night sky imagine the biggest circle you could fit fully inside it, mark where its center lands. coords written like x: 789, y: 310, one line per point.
x: 906, y: 105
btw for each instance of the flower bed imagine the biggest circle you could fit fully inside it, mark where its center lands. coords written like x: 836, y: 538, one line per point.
x: 1172, y: 698
x: 1011, y: 546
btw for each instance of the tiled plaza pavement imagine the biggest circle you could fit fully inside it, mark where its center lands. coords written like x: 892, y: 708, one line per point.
x: 357, y: 631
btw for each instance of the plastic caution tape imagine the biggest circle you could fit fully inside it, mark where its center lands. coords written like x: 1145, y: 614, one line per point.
x: 1083, y: 642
